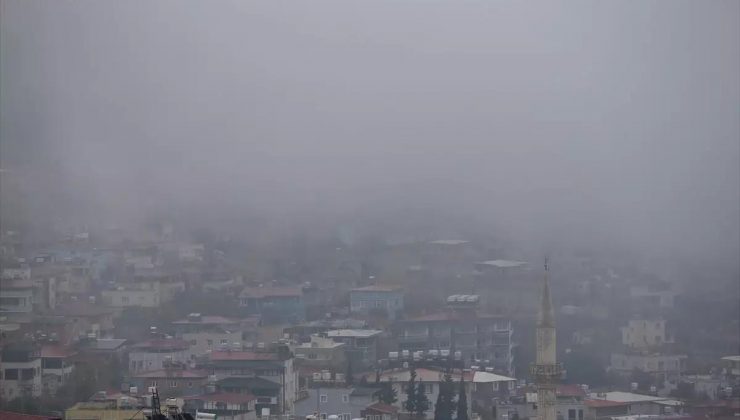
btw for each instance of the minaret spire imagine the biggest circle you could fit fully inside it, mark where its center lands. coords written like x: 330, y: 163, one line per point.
x: 546, y: 371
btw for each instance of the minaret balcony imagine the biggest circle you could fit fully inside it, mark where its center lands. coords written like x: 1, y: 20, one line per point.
x: 546, y: 372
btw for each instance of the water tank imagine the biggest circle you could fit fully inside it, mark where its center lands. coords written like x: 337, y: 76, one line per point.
x: 633, y: 386
x: 133, y: 390
x: 236, y: 346
x: 333, y: 417
x: 393, y: 355
x: 489, y: 369
x: 317, y: 376
x: 444, y: 353
x: 326, y: 375
x: 433, y: 353
x: 405, y: 354
x: 260, y: 345
x: 653, y: 389
x: 458, y: 355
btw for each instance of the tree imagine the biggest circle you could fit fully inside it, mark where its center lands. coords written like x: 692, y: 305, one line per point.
x: 445, y: 405
x: 462, y: 402
x: 421, y: 401
x: 349, y: 375
x: 410, y: 404
x: 386, y: 394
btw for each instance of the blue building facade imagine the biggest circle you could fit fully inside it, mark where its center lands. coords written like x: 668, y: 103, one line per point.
x: 387, y: 299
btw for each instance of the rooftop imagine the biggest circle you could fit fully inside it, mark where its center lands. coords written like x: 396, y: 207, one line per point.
x: 732, y: 358
x: 106, y: 343
x: 162, y: 344
x: 9, y: 415
x: 448, y: 242
x: 263, y: 292
x: 383, y: 408
x: 503, y: 263
x: 243, y: 355
x: 625, y: 397
x: 378, y: 288
x: 207, y: 319
x: 56, y: 351
x: 353, y: 333
x: 484, y: 377
x: 173, y: 373
x: 224, y: 397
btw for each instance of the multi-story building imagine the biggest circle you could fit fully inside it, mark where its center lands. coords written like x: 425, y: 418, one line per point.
x: 226, y: 406
x: 384, y: 299
x: 149, y: 288
x: 175, y: 380
x: 268, y: 373
x: 16, y: 295
x: 428, y: 380
x: 274, y: 304
x: 21, y: 370
x: 321, y: 353
x: 664, y: 369
x: 154, y: 354
x: 56, y: 366
x: 461, y: 327
x: 210, y: 333
x: 344, y: 401
x: 642, y: 334
x: 361, y: 346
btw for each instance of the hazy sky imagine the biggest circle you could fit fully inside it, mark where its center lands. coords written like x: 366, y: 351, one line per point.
x: 603, y: 121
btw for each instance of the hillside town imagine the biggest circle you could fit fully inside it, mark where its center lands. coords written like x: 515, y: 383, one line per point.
x: 93, y: 322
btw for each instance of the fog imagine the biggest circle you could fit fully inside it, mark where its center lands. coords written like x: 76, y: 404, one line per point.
x: 560, y: 123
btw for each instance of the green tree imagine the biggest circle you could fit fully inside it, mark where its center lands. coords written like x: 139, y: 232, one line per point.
x: 445, y: 405
x: 386, y: 394
x: 421, y: 402
x: 410, y: 404
x: 462, y: 401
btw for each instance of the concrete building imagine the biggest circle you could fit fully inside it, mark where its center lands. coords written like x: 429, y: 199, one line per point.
x: 321, y: 353
x: 618, y: 403
x: 344, y: 401
x: 210, y: 333
x: 429, y: 380
x: 274, y: 304
x: 664, y: 369
x: 175, y: 380
x: 361, y: 346
x: 56, y: 366
x: 154, y: 354
x: 482, y: 339
x: 268, y: 373
x: 226, y: 406
x: 16, y: 295
x: 384, y: 299
x: 21, y: 370
x: 643, y: 334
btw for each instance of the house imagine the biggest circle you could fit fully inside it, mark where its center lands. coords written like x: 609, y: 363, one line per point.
x: 175, y: 380
x: 634, y: 404
x: 21, y: 370
x: 56, y: 366
x: 16, y: 294
x: 461, y: 327
x: 523, y: 404
x: 268, y: 373
x: 210, y: 333
x: 321, y: 353
x: 149, y: 288
x: 274, y: 304
x: 731, y: 366
x: 153, y: 354
x: 347, y: 402
x: 429, y: 380
x: 664, y: 370
x: 226, y: 406
x: 84, y: 318
x: 379, y: 411
x: 361, y: 346
x: 109, y: 406
x: 643, y: 334
x: 384, y: 299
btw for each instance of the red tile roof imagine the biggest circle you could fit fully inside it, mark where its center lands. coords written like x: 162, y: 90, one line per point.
x: 570, y: 390
x: 224, y: 397
x: 9, y: 415
x: 242, y: 355
x: 383, y: 408
x: 55, y: 350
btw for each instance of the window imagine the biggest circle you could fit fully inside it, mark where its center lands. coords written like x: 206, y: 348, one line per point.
x: 193, y: 342
x: 224, y: 341
x: 210, y: 342
x: 11, y: 374
x: 190, y: 384
x: 173, y: 384
x: 323, y: 398
x: 312, y: 356
x: 345, y: 416
x: 571, y: 414
x: 323, y: 416
x: 124, y: 299
x: 580, y: 414
x: 345, y: 398
x: 153, y: 383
